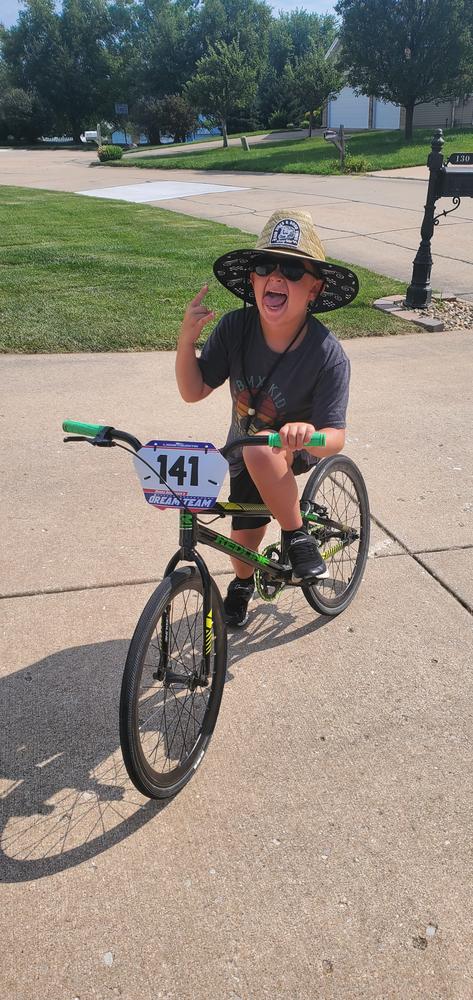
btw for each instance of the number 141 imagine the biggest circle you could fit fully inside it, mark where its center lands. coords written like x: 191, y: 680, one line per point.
x: 177, y: 470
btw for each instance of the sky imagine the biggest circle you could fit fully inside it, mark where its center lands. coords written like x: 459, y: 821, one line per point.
x: 9, y: 8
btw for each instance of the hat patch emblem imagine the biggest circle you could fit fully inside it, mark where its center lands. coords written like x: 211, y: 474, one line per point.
x: 286, y: 233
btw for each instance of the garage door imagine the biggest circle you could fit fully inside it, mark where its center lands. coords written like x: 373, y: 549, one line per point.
x: 348, y: 109
x: 386, y: 115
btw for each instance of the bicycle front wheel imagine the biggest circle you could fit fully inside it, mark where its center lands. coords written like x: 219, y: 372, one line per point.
x: 337, y: 485
x: 166, y: 718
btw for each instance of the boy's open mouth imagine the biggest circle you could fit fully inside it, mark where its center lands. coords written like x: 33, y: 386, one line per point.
x: 274, y: 300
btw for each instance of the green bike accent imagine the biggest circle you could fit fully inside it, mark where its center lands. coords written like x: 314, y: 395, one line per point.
x: 185, y: 520
x: 316, y: 521
x: 317, y: 440
x: 209, y: 635
x: 87, y: 430
x: 240, y: 550
x: 333, y: 551
x: 242, y: 507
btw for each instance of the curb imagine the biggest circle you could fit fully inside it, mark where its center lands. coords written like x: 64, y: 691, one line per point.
x: 394, y: 306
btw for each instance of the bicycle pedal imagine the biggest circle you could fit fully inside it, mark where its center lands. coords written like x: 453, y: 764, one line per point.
x: 310, y: 579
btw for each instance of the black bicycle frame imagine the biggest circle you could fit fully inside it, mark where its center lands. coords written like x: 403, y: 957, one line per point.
x: 191, y: 532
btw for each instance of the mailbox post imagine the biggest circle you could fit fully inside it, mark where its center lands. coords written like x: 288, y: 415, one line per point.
x: 338, y: 139
x: 443, y: 183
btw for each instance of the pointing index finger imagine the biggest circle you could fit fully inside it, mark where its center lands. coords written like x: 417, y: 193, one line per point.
x: 201, y: 295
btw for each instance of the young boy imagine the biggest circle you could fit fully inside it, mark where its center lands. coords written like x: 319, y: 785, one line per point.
x: 287, y: 373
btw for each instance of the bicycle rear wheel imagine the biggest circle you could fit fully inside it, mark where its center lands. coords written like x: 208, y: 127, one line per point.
x: 337, y: 485
x: 165, y: 721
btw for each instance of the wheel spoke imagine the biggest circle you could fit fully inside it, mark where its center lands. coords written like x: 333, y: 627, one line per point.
x: 338, y: 491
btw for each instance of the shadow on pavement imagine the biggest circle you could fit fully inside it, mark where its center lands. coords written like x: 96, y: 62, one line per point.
x: 274, y: 624
x: 66, y: 796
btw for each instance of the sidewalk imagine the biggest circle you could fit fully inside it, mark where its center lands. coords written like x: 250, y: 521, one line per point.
x: 217, y: 143
x: 324, y: 847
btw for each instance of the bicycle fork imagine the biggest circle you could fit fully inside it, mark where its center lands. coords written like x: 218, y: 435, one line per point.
x: 199, y: 677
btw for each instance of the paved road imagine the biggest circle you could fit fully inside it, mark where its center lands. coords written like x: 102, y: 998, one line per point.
x: 323, y: 850
x: 372, y: 220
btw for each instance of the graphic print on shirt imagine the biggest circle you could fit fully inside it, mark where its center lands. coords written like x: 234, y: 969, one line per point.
x: 269, y: 404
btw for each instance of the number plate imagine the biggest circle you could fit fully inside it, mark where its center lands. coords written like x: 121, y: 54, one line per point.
x: 183, y: 474
x: 459, y: 158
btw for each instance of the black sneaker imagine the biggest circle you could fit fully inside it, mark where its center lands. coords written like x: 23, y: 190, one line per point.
x: 305, y: 558
x: 235, y: 605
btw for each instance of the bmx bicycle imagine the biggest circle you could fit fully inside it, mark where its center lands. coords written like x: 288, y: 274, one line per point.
x: 175, y: 668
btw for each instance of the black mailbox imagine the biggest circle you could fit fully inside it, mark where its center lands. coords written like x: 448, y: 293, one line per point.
x: 456, y: 183
x: 451, y: 180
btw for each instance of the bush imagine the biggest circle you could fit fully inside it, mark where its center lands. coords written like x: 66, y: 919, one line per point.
x: 23, y: 116
x: 278, y: 119
x: 105, y: 153
x: 356, y: 164
x: 235, y: 124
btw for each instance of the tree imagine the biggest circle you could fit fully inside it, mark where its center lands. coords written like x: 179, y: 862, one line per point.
x: 248, y: 21
x: 278, y: 100
x: 223, y: 83
x: 65, y: 58
x: 148, y: 115
x: 304, y: 29
x: 177, y: 116
x: 316, y: 79
x: 292, y: 36
x: 22, y: 115
x: 30, y: 48
x: 165, y: 45
x: 85, y: 70
x: 407, y: 51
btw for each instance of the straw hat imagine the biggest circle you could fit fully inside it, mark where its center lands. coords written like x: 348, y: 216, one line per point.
x: 289, y: 233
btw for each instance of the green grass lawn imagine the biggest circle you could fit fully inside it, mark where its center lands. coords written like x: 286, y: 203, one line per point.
x: 81, y: 274
x: 383, y: 150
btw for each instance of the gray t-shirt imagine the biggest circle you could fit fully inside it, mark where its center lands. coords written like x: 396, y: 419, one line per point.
x: 310, y: 383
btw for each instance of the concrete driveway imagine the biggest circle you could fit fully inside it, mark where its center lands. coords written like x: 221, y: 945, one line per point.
x: 323, y: 850
x: 371, y: 220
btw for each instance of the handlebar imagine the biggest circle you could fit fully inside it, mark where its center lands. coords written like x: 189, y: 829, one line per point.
x: 100, y: 434
x: 87, y: 430
x: 273, y: 440
x: 105, y: 436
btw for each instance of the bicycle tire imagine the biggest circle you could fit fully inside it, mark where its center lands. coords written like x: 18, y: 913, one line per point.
x: 165, y: 730
x: 337, y: 484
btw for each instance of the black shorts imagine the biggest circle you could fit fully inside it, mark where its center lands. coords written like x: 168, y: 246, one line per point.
x: 243, y: 490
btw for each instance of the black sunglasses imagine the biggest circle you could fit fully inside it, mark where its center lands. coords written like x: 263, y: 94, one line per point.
x: 263, y: 266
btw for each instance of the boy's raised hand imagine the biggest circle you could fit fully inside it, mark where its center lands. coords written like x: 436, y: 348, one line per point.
x: 195, y: 317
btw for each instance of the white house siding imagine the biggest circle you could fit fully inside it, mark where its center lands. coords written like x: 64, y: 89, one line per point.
x: 430, y: 115
x: 366, y: 113
x: 464, y: 112
x: 348, y: 109
x: 385, y: 114
x: 443, y: 115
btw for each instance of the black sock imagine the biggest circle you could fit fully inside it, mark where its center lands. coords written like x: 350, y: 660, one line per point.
x: 246, y: 579
x: 288, y: 535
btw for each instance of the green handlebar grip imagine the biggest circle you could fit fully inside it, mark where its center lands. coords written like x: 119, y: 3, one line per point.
x: 317, y: 440
x: 75, y: 427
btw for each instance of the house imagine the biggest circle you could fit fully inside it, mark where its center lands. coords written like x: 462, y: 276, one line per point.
x: 355, y: 111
